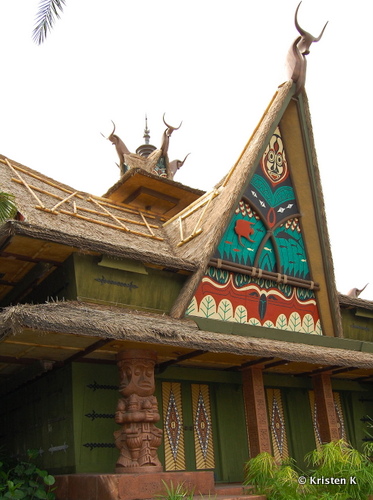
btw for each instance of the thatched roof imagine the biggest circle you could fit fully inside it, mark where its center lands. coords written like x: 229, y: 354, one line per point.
x: 130, y: 173
x: 204, y: 223
x: 354, y: 303
x: 56, y: 212
x: 112, y: 323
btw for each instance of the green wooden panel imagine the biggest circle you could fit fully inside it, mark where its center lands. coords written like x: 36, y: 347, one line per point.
x: 190, y: 460
x: 230, y: 436
x: 357, y: 405
x: 39, y: 416
x: 357, y: 326
x: 298, y: 422
x: 59, y: 284
x: 156, y: 290
x: 95, y: 396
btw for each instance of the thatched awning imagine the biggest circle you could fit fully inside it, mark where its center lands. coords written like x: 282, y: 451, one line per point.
x: 350, y: 302
x: 114, y: 323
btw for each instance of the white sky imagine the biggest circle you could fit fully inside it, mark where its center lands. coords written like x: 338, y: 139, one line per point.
x: 212, y: 64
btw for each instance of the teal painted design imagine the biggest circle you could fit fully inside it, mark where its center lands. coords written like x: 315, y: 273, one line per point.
x: 265, y: 231
x: 237, y: 245
x: 160, y: 168
x: 292, y: 250
x: 282, y: 194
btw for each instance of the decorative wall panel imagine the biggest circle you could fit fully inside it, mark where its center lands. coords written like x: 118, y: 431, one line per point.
x: 173, y: 426
x: 240, y: 298
x: 260, y: 273
x: 277, y: 424
x: 339, y: 414
x: 202, y: 424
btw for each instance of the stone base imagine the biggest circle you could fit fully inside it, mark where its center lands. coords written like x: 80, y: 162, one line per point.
x: 139, y: 470
x: 130, y: 486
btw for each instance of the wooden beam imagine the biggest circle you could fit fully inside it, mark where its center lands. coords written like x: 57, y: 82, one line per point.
x: 12, y: 360
x: 256, y: 411
x: 325, y: 407
x: 26, y: 258
x: 343, y: 370
x: 91, y: 348
x: 317, y: 371
x: 162, y: 366
x: 276, y: 363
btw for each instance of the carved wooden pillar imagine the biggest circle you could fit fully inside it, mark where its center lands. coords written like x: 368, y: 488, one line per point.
x: 137, y: 412
x: 256, y: 411
x: 326, y: 414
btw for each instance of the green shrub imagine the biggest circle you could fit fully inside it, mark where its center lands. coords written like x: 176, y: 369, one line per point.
x: 178, y: 492
x: 338, y: 472
x: 24, y: 480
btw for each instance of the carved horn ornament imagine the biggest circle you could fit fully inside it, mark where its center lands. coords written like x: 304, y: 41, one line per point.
x: 296, y: 60
x: 170, y: 128
x: 166, y: 135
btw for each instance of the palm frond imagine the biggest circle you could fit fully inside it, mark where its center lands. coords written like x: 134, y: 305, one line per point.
x: 8, y: 208
x: 49, y: 11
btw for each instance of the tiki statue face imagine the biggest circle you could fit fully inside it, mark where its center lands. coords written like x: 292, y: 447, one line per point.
x: 136, y: 375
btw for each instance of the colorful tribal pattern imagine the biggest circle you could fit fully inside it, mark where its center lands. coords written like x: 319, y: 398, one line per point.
x: 339, y: 414
x: 173, y: 426
x: 160, y: 168
x: 265, y: 230
x: 202, y: 427
x: 277, y: 425
x: 264, y: 233
x: 240, y: 298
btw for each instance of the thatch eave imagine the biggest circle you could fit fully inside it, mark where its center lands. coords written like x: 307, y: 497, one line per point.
x: 350, y: 302
x: 134, y: 171
x: 86, y: 244
x: 113, y: 323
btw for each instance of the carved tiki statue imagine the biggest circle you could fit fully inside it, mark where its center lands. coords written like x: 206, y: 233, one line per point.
x: 137, y: 412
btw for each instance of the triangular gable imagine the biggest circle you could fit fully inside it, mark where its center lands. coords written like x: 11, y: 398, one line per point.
x: 270, y: 263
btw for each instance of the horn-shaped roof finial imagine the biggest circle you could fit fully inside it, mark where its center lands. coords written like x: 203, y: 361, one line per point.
x: 296, y: 60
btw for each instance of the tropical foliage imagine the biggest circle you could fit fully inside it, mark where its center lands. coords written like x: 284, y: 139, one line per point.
x: 49, y: 11
x: 178, y: 492
x: 338, y: 472
x: 8, y: 207
x: 24, y: 480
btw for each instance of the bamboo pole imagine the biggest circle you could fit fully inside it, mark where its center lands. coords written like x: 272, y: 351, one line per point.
x: 40, y: 190
x: 64, y: 200
x: 109, y: 213
x: 260, y: 273
x: 146, y: 223
x: 112, y: 226
x: 31, y: 174
x: 24, y: 183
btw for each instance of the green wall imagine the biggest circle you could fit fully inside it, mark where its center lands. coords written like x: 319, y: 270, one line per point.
x: 39, y: 416
x: 69, y: 415
x: 150, y: 289
x: 357, y: 324
x: 95, y: 396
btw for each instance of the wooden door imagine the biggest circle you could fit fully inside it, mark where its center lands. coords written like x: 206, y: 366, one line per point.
x: 204, y: 428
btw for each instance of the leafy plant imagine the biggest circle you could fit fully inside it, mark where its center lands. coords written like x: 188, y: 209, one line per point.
x: 339, y: 472
x: 24, y: 480
x: 49, y: 11
x: 339, y: 460
x: 177, y: 492
x: 8, y: 208
x: 276, y: 481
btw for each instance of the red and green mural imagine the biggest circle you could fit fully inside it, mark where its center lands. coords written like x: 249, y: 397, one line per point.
x: 265, y: 279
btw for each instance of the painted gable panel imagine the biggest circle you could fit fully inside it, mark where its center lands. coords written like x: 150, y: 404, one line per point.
x: 260, y: 273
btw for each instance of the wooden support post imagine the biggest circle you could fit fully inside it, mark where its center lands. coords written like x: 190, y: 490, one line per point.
x: 256, y: 411
x: 326, y: 415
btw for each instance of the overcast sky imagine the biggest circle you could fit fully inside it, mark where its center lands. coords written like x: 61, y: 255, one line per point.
x: 213, y: 65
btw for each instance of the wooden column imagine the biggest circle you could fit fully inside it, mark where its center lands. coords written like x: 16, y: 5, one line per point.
x: 326, y: 414
x: 256, y: 411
